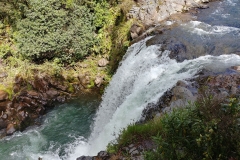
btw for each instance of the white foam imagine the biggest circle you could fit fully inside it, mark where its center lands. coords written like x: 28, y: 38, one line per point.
x: 201, y: 28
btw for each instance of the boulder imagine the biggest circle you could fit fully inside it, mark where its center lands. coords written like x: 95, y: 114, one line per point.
x: 10, y: 129
x: 103, y: 62
x: 3, y: 95
x: 236, y: 68
x: 136, y: 30
x: 84, y: 80
x: 103, y: 155
x: 98, y: 81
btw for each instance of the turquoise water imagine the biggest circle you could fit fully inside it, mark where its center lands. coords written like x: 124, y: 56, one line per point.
x: 61, y: 128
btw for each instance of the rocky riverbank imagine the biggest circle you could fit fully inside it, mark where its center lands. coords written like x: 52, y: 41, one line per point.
x: 28, y: 98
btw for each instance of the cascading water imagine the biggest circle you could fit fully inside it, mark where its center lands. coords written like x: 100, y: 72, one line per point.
x: 143, y: 76
x: 145, y: 73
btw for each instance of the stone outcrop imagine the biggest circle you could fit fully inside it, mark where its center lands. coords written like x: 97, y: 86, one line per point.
x: 156, y: 16
x: 224, y: 84
x: 30, y: 100
x: 153, y: 11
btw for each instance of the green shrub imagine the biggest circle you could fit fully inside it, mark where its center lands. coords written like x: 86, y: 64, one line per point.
x: 208, y: 129
x: 54, y: 29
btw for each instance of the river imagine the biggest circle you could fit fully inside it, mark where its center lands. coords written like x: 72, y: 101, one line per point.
x: 80, y: 127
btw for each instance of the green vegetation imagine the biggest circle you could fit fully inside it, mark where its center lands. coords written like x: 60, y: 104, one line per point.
x: 51, y: 30
x: 68, y: 30
x: 207, y: 129
x: 62, y: 38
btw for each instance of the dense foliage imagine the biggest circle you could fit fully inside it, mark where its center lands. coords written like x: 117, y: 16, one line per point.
x: 54, y: 29
x: 208, y: 129
x: 66, y: 30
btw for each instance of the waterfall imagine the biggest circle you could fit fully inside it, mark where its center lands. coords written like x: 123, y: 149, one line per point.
x: 144, y: 74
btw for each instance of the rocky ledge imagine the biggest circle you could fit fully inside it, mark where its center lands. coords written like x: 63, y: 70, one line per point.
x: 152, y: 13
x: 32, y: 97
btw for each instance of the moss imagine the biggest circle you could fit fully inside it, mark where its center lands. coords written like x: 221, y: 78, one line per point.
x: 91, y: 85
x: 8, y: 89
x: 71, y: 88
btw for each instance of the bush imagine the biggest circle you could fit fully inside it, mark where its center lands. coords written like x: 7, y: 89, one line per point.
x: 208, y: 130
x: 55, y: 29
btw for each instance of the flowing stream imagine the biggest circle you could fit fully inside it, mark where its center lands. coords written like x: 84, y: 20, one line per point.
x: 145, y: 73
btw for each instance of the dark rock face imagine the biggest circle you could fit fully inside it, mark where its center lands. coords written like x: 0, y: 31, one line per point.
x: 29, y: 102
x: 190, y: 46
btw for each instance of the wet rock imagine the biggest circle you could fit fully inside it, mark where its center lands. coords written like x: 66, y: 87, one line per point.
x: 237, y: 68
x: 182, y: 93
x: 3, y: 95
x: 103, y: 155
x: 103, y: 62
x: 10, y: 129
